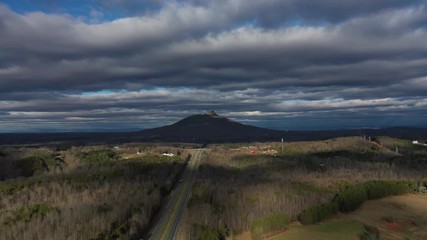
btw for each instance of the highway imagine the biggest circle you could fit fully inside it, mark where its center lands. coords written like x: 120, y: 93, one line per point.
x: 168, y: 223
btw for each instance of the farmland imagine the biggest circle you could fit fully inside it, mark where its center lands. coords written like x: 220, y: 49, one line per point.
x: 396, y: 217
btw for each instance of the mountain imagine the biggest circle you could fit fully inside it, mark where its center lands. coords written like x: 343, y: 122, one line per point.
x: 209, y: 127
x: 204, y: 128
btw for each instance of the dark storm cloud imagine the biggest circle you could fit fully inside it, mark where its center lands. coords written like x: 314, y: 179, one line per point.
x: 275, y: 12
x: 256, y: 60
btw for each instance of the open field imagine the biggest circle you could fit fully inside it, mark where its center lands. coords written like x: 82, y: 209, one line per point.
x: 330, y: 230
x: 396, y: 218
x: 335, y: 229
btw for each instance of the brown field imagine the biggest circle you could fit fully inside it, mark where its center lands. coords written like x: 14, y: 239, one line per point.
x: 396, y: 218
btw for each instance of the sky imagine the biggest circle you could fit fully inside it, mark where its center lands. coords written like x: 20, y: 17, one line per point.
x: 119, y: 65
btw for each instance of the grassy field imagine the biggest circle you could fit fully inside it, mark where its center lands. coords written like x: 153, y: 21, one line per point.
x: 328, y: 230
x: 396, y: 218
x: 334, y: 229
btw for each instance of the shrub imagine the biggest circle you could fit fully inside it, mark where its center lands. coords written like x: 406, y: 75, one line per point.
x: 26, y: 213
x: 211, y: 233
x: 164, y: 190
x: 118, y: 231
x: 351, y: 198
x: 370, y: 233
x: 10, y: 187
x: 98, y: 156
x: 318, y: 213
x: 37, y: 164
x: 104, y: 208
x: 379, y: 189
x: 273, y: 223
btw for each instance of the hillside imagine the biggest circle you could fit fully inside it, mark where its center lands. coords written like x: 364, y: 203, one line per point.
x: 209, y: 127
x: 204, y: 128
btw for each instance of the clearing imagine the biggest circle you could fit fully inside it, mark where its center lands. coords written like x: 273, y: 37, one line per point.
x: 396, y: 218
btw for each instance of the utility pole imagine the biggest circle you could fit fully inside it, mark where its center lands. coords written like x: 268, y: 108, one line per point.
x: 282, y: 146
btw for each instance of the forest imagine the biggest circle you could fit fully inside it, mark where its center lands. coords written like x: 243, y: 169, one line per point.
x: 253, y: 187
x: 91, y: 192
x: 117, y: 191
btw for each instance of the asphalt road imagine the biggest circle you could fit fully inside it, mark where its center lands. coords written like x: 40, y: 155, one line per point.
x: 168, y: 224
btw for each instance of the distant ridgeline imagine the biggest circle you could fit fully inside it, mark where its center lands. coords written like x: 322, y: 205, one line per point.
x: 205, y: 128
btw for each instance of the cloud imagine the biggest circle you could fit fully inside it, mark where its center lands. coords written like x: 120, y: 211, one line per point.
x: 343, y: 58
